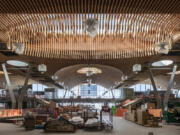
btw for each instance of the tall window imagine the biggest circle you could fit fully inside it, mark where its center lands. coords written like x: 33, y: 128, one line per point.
x: 141, y: 87
x: 38, y: 87
x: 92, y: 91
x: 88, y: 90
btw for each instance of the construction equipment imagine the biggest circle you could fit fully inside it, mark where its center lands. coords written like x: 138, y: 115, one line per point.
x: 59, y: 125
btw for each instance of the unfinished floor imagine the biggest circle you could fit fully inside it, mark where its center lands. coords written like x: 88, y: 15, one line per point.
x: 121, y: 127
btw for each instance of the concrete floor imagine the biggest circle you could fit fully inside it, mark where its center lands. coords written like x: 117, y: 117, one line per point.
x: 121, y: 127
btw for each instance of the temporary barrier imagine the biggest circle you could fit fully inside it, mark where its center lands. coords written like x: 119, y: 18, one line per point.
x: 7, y: 113
x: 120, y: 112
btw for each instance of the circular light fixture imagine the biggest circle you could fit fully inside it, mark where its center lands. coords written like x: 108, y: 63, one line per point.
x: 89, y: 71
x: 162, y: 63
x: 54, y: 77
x: 17, y: 63
x: 42, y: 68
x: 124, y: 77
x: 136, y: 67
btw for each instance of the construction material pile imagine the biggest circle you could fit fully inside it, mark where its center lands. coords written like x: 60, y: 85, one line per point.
x: 141, y: 115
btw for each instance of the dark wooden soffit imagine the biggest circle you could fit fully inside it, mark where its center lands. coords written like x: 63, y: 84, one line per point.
x: 89, y: 6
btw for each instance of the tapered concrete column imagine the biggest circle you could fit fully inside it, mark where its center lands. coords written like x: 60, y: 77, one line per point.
x: 24, y: 89
x: 11, y: 93
x: 170, y: 84
x: 158, y: 98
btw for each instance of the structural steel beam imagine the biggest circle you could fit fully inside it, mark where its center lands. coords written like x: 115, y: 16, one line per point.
x: 88, y: 100
x: 24, y: 89
x: 104, y: 93
x: 112, y: 94
x: 170, y: 84
x: 65, y: 94
x: 11, y: 93
x: 158, y: 98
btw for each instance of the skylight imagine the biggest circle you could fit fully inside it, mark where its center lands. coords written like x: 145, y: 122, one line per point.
x: 162, y: 63
x: 17, y: 63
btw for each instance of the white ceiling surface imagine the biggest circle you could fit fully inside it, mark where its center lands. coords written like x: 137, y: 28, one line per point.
x: 15, y: 80
x: 71, y: 78
x: 162, y: 81
x: 109, y: 76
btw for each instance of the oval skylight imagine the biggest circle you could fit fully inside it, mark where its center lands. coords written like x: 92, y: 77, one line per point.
x: 162, y: 63
x: 17, y: 63
x: 93, y: 70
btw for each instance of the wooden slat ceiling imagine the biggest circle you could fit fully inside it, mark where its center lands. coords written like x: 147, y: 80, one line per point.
x: 56, y: 29
x: 65, y: 35
x: 54, y: 34
x: 89, y: 6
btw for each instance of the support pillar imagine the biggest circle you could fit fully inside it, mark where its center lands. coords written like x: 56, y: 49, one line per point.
x: 11, y: 93
x: 24, y: 89
x: 167, y: 94
x: 170, y: 84
x: 112, y: 93
x: 158, y: 98
x: 65, y: 94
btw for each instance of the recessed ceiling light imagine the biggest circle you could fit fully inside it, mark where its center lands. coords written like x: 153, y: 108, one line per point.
x: 162, y: 63
x: 17, y: 63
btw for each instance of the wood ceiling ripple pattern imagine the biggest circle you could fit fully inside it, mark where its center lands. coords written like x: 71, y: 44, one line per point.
x: 64, y: 35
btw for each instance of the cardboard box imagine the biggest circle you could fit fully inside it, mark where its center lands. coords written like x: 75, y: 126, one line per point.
x: 52, y: 104
x: 150, y: 106
x: 127, y: 116
x: 142, y: 117
x: 130, y: 108
x: 131, y: 116
x: 143, y: 107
